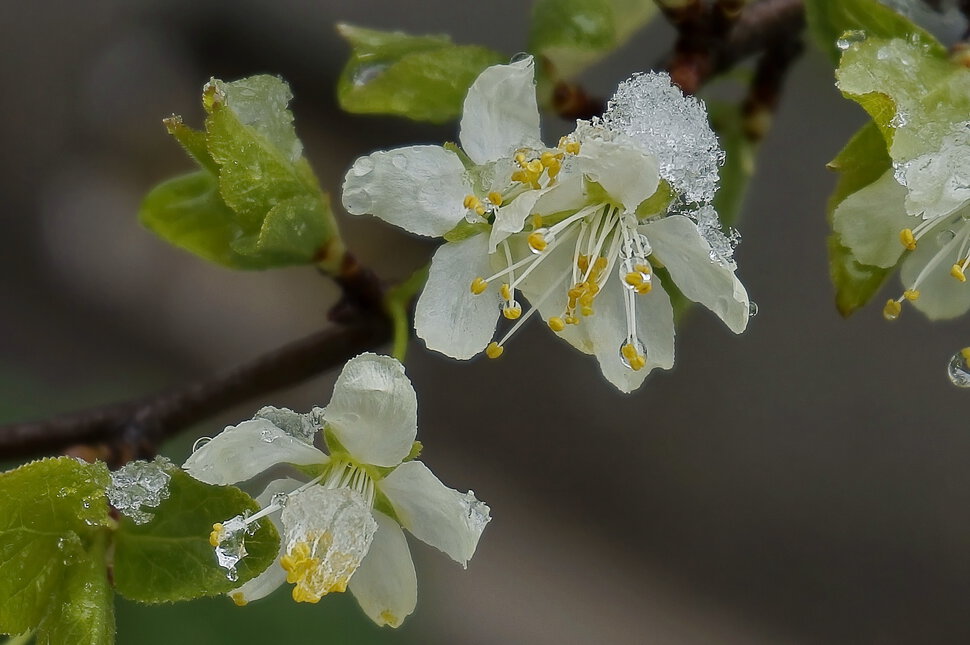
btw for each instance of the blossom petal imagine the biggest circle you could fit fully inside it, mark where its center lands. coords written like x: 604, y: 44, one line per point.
x: 566, y: 195
x: 678, y: 244
x: 265, y: 583
x: 500, y: 112
x: 607, y: 330
x: 374, y: 411
x: 420, y: 189
x: 869, y: 221
x: 624, y: 172
x: 443, y: 517
x: 941, y: 295
x: 385, y: 584
x: 449, y: 317
x: 244, y: 451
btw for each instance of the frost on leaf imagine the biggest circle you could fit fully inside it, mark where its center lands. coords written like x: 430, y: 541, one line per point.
x: 140, y: 485
x: 328, y: 533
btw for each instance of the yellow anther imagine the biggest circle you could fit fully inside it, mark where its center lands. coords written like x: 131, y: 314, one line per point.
x: 238, y: 598
x: 642, y: 268
x: 965, y: 353
x: 911, y: 294
x: 629, y: 351
x: 214, y: 536
x: 637, y: 363
x: 556, y: 324
x: 586, y: 300
x: 480, y: 209
x: 586, y: 311
x: 494, y: 350
x: 537, y: 221
x: 572, y: 147
x: 892, y: 310
x: 907, y: 239
x: 506, y: 291
x: 471, y: 201
x: 644, y: 288
x: 957, y: 272
x: 521, y: 176
x: 495, y: 198
x: 633, y: 278
x: 634, y: 359
x: 534, y: 167
x: 520, y: 159
x: 479, y: 285
x: 548, y: 159
x: 582, y: 262
x: 512, y: 312
x: 537, y: 241
x: 593, y: 288
x: 571, y: 320
x: 576, y: 291
x: 553, y: 169
x: 600, y: 263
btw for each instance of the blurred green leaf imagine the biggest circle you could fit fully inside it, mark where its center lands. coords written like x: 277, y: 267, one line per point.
x: 424, y: 78
x: 574, y: 34
x: 53, y: 520
x: 863, y: 160
x: 256, y: 203
x: 170, y: 558
x: 828, y: 20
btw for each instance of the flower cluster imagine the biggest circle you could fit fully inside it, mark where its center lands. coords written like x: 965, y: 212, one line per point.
x: 342, y: 529
x: 579, y: 230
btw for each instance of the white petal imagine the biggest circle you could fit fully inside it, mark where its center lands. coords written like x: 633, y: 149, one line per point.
x: 566, y: 195
x: 243, y: 451
x: 606, y: 330
x: 443, y: 517
x: 941, y: 295
x: 374, y: 411
x: 385, y: 584
x: 625, y: 173
x: 265, y: 583
x: 678, y: 244
x: 421, y: 189
x: 869, y: 221
x: 449, y: 317
x: 510, y: 219
x: 500, y: 112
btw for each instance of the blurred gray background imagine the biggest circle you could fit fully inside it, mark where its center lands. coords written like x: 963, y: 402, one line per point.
x: 806, y: 482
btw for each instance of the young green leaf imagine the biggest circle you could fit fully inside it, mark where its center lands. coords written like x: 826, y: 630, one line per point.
x: 574, y: 34
x: 170, y: 558
x: 53, y: 519
x: 256, y: 203
x: 828, y: 20
x: 424, y: 78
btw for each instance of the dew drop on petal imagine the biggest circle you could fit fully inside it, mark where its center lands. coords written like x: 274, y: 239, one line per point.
x: 623, y: 355
x: 752, y: 309
x: 267, y: 436
x: 958, y: 369
x: 850, y: 38
x: 363, y: 166
x: 201, y: 441
x: 519, y: 57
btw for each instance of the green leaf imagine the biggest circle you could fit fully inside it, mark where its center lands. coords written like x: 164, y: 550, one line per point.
x: 574, y: 34
x: 828, y: 20
x: 82, y: 611
x: 863, y: 160
x: 424, y: 78
x: 256, y: 203
x: 170, y: 558
x: 53, y: 514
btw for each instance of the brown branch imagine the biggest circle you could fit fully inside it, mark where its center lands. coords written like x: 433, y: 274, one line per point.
x: 134, y: 429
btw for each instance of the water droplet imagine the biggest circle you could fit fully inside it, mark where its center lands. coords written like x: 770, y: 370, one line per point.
x: 637, y: 345
x: 201, y: 441
x: 850, y: 38
x: 545, y: 236
x: 231, y: 547
x: 519, y: 57
x: 367, y: 73
x: 267, y: 436
x: 958, y: 369
x: 944, y: 237
x: 363, y: 166
x: 899, y: 119
x: 279, y: 499
x: 965, y: 215
x: 752, y: 309
x: 399, y: 161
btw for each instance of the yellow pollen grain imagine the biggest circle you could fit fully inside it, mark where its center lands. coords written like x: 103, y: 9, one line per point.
x: 957, y: 272
x: 494, y: 350
x: 911, y: 294
x: 556, y: 324
x: 214, y: 536
x: 495, y: 198
x: 512, y: 312
x: 239, y: 598
x: 389, y: 618
x: 537, y: 241
x: 907, y: 239
x: 479, y: 285
x: 892, y: 310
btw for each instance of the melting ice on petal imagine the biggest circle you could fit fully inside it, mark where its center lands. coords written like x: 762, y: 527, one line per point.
x: 229, y: 540
x: 295, y: 424
x: 329, y: 533
x: 139, y: 485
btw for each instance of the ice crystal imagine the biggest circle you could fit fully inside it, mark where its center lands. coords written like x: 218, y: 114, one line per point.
x: 301, y: 426
x: 229, y: 540
x: 139, y: 485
